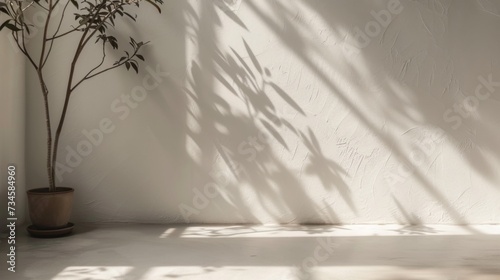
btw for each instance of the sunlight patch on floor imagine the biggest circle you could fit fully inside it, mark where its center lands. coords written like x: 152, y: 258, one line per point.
x: 272, y: 273
x: 93, y: 273
x: 243, y: 231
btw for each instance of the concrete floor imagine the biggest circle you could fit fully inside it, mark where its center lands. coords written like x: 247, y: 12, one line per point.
x: 155, y: 252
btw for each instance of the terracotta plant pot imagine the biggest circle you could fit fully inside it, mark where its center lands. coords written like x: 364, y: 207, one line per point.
x: 50, y: 210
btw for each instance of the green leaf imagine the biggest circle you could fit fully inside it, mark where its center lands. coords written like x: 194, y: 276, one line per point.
x: 75, y: 3
x: 113, y: 44
x: 9, y: 26
x: 154, y: 4
x: 130, y: 16
x: 135, y: 67
x: 4, y: 10
x: 120, y: 61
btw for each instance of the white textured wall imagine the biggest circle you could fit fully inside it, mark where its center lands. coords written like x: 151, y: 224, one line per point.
x: 283, y: 112
x: 12, y: 125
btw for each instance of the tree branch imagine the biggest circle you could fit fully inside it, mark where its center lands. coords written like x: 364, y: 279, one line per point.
x: 55, y: 36
x: 86, y: 40
x: 58, y: 27
x: 91, y: 75
x: 23, y: 49
x: 93, y: 69
x: 68, y: 92
x: 44, y: 41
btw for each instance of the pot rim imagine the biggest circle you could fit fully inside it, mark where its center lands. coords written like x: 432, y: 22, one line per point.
x: 45, y: 191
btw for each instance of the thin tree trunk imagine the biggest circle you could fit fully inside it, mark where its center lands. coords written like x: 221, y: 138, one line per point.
x: 50, y: 167
x: 69, y: 90
x: 49, y: 131
x: 52, y: 185
x: 58, y: 135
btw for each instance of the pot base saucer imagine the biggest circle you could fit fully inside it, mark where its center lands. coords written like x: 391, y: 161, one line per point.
x: 49, y: 233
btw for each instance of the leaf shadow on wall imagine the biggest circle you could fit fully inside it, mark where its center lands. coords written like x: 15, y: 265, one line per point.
x: 239, y: 152
x: 225, y: 109
x: 398, y: 104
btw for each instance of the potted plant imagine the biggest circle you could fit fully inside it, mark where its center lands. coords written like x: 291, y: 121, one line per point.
x: 50, y: 207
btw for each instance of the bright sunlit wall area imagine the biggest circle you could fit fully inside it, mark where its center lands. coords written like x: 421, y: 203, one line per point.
x: 344, y: 114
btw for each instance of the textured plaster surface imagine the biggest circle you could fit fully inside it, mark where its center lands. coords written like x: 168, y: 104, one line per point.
x: 289, y: 112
